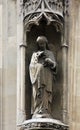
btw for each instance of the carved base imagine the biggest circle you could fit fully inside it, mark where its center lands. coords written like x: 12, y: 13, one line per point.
x: 43, y: 124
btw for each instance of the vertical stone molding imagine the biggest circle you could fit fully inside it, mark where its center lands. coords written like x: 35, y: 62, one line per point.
x: 21, y: 116
x: 1, y: 64
x: 65, y: 61
x: 22, y: 82
x: 74, y: 66
x: 65, y: 83
x: 21, y: 90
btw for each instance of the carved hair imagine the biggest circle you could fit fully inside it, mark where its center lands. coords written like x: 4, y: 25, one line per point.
x: 42, y: 39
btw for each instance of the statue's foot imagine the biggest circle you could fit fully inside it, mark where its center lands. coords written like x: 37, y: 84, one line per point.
x: 41, y: 116
x: 42, y: 113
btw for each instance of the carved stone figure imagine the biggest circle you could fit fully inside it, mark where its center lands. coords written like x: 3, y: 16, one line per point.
x: 42, y: 71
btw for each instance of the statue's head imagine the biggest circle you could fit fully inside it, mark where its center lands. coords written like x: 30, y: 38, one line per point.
x: 42, y: 42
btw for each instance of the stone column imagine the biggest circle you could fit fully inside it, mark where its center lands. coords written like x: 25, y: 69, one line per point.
x: 21, y: 48
x: 23, y: 52
x: 65, y: 67
x: 65, y: 82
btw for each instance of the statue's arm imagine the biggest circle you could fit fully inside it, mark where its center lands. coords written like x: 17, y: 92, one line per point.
x: 51, y: 60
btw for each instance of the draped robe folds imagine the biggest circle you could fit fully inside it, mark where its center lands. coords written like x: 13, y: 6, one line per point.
x: 42, y: 81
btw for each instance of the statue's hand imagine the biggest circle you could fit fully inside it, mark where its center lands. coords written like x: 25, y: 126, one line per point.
x: 50, y: 62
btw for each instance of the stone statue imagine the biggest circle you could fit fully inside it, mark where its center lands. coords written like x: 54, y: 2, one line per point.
x: 42, y: 70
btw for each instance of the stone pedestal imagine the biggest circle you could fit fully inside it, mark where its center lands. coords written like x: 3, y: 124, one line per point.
x: 43, y: 124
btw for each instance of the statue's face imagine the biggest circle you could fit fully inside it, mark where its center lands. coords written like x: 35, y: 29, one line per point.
x: 42, y: 45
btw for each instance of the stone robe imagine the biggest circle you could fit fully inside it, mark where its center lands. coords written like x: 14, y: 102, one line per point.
x: 41, y: 76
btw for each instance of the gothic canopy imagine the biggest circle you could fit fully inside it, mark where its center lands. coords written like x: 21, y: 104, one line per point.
x: 49, y: 10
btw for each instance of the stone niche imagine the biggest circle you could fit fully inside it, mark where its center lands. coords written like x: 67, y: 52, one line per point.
x: 54, y: 39
x: 45, y: 18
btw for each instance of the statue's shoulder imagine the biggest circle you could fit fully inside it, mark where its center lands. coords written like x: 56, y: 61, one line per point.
x: 49, y: 52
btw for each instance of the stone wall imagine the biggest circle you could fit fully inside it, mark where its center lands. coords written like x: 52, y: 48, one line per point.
x: 8, y: 64
x: 0, y: 64
x: 74, y: 65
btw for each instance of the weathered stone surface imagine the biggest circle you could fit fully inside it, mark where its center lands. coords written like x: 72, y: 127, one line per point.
x: 10, y: 30
x: 8, y: 65
x: 74, y: 65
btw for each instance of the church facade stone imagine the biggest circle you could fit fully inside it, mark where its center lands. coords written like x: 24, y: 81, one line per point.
x: 12, y: 55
